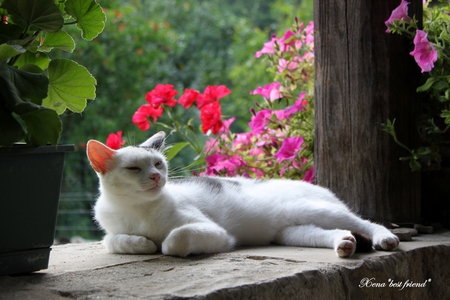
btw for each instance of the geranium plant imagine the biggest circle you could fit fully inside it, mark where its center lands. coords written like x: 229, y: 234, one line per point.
x: 36, y: 89
x: 431, y: 50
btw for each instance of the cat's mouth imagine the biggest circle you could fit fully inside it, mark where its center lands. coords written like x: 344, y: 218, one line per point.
x: 153, y: 188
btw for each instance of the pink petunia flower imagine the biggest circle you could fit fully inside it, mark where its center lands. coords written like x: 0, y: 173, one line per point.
x: 309, y: 175
x: 284, y: 64
x: 268, y: 48
x: 284, y: 46
x: 424, y: 52
x: 289, y: 148
x: 218, y: 163
x: 298, y: 106
x: 400, y: 13
x: 114, y: 140
x: 226, y: 125
x: 242, y: 140
x: 270, y: 92
x: 258, y: 122
x: 309, y: 31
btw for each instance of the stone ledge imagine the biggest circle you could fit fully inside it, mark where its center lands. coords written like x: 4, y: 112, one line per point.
x: 87, y: 271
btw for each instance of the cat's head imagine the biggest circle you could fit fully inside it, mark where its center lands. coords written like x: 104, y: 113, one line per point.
x: 133, y: 170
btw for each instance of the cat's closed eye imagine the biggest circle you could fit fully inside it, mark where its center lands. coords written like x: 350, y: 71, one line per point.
x: 133, y: 168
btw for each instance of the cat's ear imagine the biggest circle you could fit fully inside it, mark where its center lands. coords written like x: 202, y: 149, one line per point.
x: 98, y: 155
x: 156, y: 141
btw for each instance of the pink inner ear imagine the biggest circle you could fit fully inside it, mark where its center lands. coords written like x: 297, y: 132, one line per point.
x: 99, y: 154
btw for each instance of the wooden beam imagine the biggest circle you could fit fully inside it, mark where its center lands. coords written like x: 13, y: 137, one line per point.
x: 363, y: 77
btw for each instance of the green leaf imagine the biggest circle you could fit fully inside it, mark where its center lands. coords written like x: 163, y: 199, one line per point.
x: 173, y: 151
x: 427, y: 85
x: 60, y: 40
x: 414, y: 165
x: 11, y: 130
x: 89, y: 16
x: 199, y: 160
x: 446, y: 114
x: 28, y: 58
x: 70, y: 86
x: 35, y: 14
x: 32, y: 85
x: 8, y: 51
x: 9, y: 32
x: 43, y: 126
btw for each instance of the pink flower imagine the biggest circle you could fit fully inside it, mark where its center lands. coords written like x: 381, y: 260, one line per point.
x: 189, y: 97
x: 242, y: 140
x: 289, y: 148
x: 400, y: 13
x: 298, y: 106
x: 268, y: 48
x: 284, y: 64
x: 258, y: 122
x: 309, y: 31
x: 226, y: 125
x: 309, y: 175
x: 424, y: 53
x: 270, y: 92
x: 280, y: 114
x: 218, y: 163
x: 286, y: 37
x: 162, y: 94
x: 211, y: 146
x: 114, y: 140
x: 142, y: 115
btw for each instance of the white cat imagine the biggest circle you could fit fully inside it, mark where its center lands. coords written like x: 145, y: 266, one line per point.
x: 142, y: 210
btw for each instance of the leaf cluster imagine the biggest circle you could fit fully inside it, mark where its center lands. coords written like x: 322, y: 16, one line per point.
x: 35, y: 88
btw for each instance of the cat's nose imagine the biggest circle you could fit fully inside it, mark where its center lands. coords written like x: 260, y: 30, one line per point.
x: 155, y: 177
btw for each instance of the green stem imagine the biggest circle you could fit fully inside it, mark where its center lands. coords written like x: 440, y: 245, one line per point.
x: 194, y: 145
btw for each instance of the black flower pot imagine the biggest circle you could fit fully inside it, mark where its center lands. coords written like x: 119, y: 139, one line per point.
x: 30, y: 183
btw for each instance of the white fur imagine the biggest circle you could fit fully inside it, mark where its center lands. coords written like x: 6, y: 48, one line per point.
x: 140, y: 214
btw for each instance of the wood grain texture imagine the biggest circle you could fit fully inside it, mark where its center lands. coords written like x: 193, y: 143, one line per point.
x: 363, y: 77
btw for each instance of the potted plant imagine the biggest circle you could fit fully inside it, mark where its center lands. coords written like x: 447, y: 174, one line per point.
x: 35, y: 89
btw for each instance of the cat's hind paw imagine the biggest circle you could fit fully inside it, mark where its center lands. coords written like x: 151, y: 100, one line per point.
x: 346, y: 247
x: 386, y: 242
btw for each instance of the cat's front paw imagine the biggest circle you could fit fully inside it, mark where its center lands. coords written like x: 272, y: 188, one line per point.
x: 346, y: 247
x: 128, y: 244
x: 176, y: 244
x: 386, y: 241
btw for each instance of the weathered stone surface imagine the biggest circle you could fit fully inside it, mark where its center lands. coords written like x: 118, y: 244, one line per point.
x: 86, y: 271
x: 423, y: 229
x: 404, y: 234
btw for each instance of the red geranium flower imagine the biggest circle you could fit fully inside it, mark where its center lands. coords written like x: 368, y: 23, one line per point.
x: 211, y: 94
x: 142, y: 115
x: 162, y: 94
x: 210, y: 116
x: 114, y: 140
x: 189, y: 97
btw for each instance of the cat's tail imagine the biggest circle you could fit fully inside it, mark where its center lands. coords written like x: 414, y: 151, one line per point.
x: 363, y: 242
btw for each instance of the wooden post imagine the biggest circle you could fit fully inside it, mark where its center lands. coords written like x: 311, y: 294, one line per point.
x: 363, y: 77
